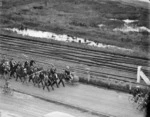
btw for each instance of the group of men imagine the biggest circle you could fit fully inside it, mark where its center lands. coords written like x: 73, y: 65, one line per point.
x: 6, y: 64
x: 67, y: 72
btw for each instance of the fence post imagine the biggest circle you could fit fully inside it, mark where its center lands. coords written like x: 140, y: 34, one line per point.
x: 138, y: 74
x: 88, y: 74
x: 130, y: 85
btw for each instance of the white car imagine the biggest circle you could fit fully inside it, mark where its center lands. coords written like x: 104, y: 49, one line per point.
x: 58, y: 114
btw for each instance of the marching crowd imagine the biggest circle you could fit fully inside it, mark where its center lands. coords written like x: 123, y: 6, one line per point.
x: 27, y: 71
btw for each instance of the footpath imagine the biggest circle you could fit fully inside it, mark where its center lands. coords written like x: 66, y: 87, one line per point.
x: 86, y: 98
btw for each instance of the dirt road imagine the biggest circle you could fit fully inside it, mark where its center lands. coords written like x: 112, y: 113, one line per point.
x: 97, y: 100
x: 21, y: 105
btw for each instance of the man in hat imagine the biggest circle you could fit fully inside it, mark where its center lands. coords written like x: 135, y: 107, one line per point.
x: 68, y: 73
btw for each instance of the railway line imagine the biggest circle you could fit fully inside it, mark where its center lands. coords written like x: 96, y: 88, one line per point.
x: 92, y: 72
x: 98, y: 56
x: 74, y: 54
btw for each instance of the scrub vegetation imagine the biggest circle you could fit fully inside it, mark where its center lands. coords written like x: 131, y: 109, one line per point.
x: 81, y: 18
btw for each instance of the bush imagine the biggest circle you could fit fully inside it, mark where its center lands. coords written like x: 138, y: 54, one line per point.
x: 76, y: 23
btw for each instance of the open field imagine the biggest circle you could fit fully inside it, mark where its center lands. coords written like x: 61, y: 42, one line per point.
x: 82, y: 18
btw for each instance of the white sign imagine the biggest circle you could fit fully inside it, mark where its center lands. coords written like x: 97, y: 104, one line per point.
x: 140, y: 74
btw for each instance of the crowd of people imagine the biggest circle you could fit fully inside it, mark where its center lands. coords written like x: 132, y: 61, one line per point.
x: 28, y: 72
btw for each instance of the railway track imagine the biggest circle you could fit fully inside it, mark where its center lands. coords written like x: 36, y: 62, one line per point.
x: 74, y: 54
x: 83, y: 71
x: 58, y: 49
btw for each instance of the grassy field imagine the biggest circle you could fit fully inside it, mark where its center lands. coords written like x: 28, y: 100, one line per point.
x: 80, y: 18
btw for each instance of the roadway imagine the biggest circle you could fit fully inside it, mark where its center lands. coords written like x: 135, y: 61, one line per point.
x: 22, y: 105
x: 90, y: 100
